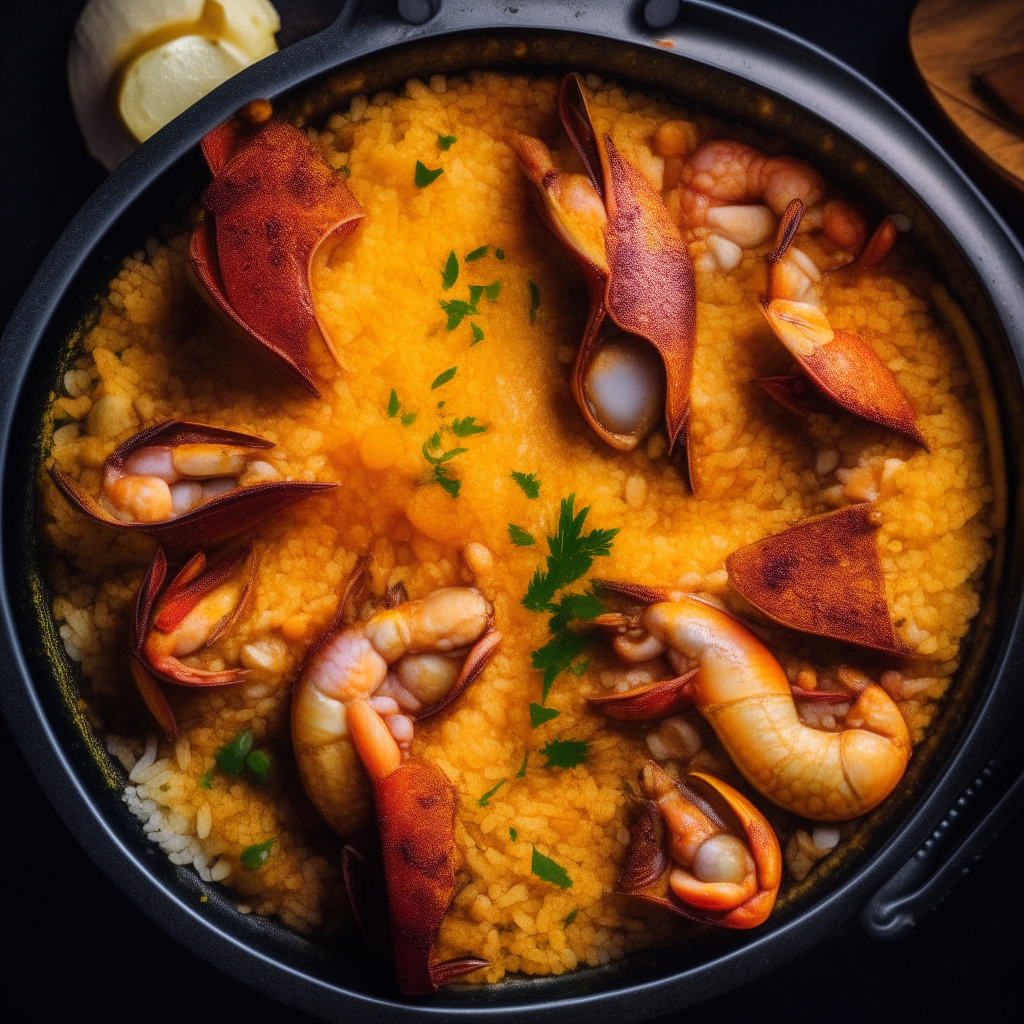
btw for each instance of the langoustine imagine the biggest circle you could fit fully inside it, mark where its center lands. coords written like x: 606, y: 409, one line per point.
x: 634, y: 365
x: 187, y: 485
x: 272, y: 203
x: 169, y: 624
x: 354, y: 708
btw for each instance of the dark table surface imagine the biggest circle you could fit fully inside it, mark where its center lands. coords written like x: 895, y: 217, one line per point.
x: 74, y: 945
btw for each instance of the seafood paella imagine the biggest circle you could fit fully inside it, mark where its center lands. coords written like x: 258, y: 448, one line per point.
x: 516, y: 522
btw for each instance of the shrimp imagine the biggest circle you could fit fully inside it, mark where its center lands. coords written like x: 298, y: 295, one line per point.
x: 744, y: 694
x: 405, y: 662
x: 704, y: 868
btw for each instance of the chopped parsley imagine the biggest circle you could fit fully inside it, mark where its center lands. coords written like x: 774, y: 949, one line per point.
x: 457, y: 310
x: 572, y: 554
x: 478, y: 335
x: 499, y: 254
x: 581, y: 667
x: 521, y: 774
x: 528, y: 482
x: 476, y: 254
x: 231, y: 757
x: 486, y: 798
x: 467, y: 427
x: 534, y: 300
x: 565, y: 753
x: 259, y: 764
x: 575, y: 607
x: 548, y: 870
x: 345, y: 171
x: 450, y: 274
x: 408, y: 419
x: 424, y: 175
x: 538, y: 716
x: 393, y: 404
x: 491, y: 291
x: 206, y: 779
x: 569, y: 920
x: 443, y: 378
x: 440, y: 470
x: 445, y: 142
x: 557, y: 655
x: 254, y: 857
x: 513, y: 834
x: 519, y: 536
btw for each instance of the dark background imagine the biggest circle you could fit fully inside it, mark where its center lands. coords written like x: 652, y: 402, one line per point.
x: 74, y: 947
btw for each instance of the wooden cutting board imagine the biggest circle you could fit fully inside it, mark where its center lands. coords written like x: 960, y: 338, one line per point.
x: 951, y: 38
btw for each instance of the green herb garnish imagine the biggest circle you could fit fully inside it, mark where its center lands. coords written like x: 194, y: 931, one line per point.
x: 557, y: 655
x: 445, y: 142
x: 424, y: 176
x: 467, y: 427
x: 519, y: 536
x: 528, y: 482
x: 521, y: 774
x: 513, y: 834
x: 570, y: 918
x: 492, y: 290
x: 572, y: 554
x: 476, y: 254
x: 408, y: 419
x: 456, y: 309
x: 443, y: 378
x: 499, y: 254
x: 565, y: 753
x: 534, y: 300
x: 450, y: 274
x: 475, y: 291
x: 548, y: 870
x: 581, y: 667
x: 451, y: 485
x: 206, y: 779
x: 485, y: 799
x: 231, y: 757
x: 574, y: 608
x: 254, y: 857
x: 393, y: 404
x: 344, y: 170
x: 259, y: 764
x: 478, y: 335
x: 539, y: 715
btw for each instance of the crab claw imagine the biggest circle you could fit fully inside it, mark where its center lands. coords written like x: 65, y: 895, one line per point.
x: 702, y: 850
x: 416, y: 818
x: 822, y: 576
x: 634, y: 370
x: 185, y: 485
x: 841, y: 364
x: 272, y: 202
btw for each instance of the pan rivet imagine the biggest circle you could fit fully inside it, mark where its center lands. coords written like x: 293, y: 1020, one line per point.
x: 416, y: 12
x: 661, y: 13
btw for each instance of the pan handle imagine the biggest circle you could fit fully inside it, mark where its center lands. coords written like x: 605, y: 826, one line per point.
x: 949, y: 852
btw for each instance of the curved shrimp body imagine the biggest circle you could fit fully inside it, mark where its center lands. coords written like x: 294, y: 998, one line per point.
x: 404, y: 662
x: 742, y: 691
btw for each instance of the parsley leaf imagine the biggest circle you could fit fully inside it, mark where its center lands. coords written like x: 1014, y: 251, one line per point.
x: 408, y: 419
x: 565, y: 753
x: 393, y: 404
x: 558, y: 654
x: 569, y: 920
x: 491, y: 291
x: 499, y: 254
x: 476, y: 254
x: 579, y: 669
x: 579, y: 607
x: 548, y: 870
x: 424, y: 175
x: 450, y: 274
x: 521, y: 774
x: 534, y: 301
x: 456, y: 310
x: 513, y: 834
x: 572, y: 554
x: 478, y: 335
x: 259, y: 764
x: 231, y: 757
x: 466, y: 427
x: 345, y: 171
x: 475, y: 291
x: 528, y: 482
x: 443, y: 378
x: 439, y: 460
x: 445, y: 141
x: 206, y: 779
x: 519, y: 536
x: 485, y: 799
x: 538, y: 716
x: 254, y: 857
x: 451, y: 485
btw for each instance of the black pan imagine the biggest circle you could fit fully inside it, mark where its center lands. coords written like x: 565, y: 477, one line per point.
x: 708, y: 58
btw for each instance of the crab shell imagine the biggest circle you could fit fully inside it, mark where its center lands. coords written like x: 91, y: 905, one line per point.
x: 272, y: 202
x: 217, y: 519
x: 645, y: 873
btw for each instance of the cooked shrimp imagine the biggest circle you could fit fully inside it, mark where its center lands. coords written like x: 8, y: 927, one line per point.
x: 163, y: 481
x: 743, y: 693
x: 402, y: 663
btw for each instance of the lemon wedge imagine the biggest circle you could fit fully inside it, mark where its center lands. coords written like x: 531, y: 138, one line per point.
x: 134, y: 65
